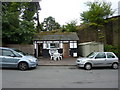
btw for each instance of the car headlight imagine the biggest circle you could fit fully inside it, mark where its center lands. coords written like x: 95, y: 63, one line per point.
x: 31, y: 60
x: 81, y: 61
x: 78, y: 60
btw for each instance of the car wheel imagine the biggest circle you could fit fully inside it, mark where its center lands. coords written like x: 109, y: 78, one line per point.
x: 88, y: 66
x: 23, y: 66
x: 115, y: 66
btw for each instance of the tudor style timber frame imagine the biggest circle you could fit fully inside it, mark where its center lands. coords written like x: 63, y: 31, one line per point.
x: 65, y: 43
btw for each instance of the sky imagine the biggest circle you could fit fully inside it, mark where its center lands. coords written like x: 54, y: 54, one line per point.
x: 64, y: 11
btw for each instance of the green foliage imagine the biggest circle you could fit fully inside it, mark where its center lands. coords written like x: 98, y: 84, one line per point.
x: 50, y: 24
x: 17, y: 22
x: 26, y: 31
x: 115, y: 49
x: 97, y: 13
x: 29, y: 11
x: 70, y: 27
x: 10, y: 21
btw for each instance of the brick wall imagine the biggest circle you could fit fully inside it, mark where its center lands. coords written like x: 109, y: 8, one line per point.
x: 25, y: 48
x: 108, y: 34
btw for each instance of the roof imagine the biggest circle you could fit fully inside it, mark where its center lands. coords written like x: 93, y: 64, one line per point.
x: 118, y: 16
x: 56, y: 36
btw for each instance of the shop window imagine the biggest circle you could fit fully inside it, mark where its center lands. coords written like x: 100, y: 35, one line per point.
x: 54, y: 45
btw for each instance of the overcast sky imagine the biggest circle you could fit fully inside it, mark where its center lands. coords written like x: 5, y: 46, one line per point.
x: 67, y: 10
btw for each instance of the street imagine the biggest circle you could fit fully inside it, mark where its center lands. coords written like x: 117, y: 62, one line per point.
x: 60, y: 77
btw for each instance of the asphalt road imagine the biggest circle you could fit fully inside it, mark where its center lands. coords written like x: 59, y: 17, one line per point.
x: 60, y: 77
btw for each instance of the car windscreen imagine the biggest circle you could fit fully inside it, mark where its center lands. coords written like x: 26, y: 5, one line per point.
x: 20, y: 52
x: 91, y: 55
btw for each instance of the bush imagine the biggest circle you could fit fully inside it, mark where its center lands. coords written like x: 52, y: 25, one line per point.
x: 114, y: 49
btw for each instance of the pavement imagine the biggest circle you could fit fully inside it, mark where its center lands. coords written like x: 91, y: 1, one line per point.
x: 70, y: 61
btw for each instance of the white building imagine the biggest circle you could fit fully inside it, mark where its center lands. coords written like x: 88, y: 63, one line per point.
x: 65, y: 42
x: 88, y: 47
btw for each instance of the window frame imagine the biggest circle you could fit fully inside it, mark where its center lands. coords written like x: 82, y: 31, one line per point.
x: 101, y: 57
x: 12, y: 54
x: 55, y: 45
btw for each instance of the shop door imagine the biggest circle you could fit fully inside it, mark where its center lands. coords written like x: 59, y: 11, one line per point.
x: 66, y: 52
x: 40, y: 49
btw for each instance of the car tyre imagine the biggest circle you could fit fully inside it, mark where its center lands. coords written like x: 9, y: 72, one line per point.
x: 88, y: 66
x: 23, y: 66
x: 115, y: 66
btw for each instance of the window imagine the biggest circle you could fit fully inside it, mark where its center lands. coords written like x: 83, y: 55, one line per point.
x: 7, y: 53
x: 19, y: 52
x: 73, y: 44
x: 101, y: 55
x: 54, y: 45
x: 91, y: 55
x: 110, y: 55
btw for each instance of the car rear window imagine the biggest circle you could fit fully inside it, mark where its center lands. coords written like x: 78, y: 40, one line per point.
x: 110, y: 55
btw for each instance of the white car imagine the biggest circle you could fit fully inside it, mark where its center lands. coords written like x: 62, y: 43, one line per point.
x: 98, y: 59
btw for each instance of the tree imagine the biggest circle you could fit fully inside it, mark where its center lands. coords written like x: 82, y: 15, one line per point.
x: 29, y: 11
x: 10, y: 21
x: 50, y: 24
x: 70, y: 27
x: 16, y: 26
x: 97, y: 13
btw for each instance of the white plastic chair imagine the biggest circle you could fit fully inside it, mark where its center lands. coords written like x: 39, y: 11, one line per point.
x: 51, y: 52
x: 54, y: 55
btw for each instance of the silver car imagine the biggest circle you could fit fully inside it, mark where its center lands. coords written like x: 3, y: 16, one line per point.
x: 98, y: 59
x: 13, y: 58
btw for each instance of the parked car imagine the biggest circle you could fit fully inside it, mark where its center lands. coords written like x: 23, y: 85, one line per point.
x: 13, y: 58
x: 98, y: 59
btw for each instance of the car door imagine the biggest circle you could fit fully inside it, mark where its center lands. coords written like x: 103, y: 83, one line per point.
x: 111, y: 58
x: 9, y: 59
x: 0, y: 58
x: 99, y: 59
